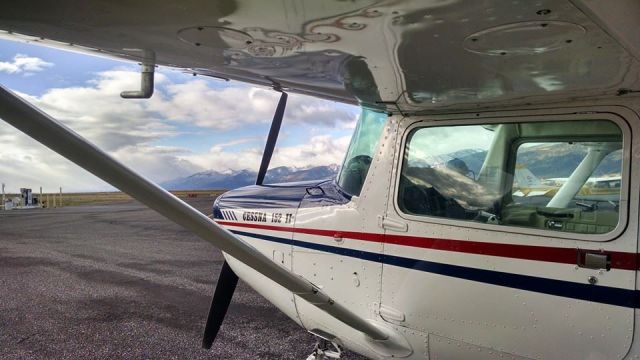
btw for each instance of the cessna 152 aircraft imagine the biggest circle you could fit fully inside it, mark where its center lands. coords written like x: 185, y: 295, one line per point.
x: 419, y: 249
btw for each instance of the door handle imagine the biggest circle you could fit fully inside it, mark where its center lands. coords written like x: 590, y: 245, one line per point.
x: 594, y: 260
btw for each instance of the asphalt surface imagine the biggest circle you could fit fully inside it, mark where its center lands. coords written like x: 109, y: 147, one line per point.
x: 120, y: 281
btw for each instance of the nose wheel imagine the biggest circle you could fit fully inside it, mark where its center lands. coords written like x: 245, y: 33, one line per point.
x: 325, y: 350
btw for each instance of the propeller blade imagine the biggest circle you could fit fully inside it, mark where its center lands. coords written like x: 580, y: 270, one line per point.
x: 228, y: 279
x: 273, y: 137
x: 219, y: 304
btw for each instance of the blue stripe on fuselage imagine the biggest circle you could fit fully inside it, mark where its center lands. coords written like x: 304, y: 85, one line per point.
x: 588, y: 292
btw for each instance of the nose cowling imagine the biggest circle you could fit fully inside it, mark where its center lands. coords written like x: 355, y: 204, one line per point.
x: 286, y: 195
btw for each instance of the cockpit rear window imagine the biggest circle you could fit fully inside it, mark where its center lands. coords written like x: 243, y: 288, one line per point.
x: 563, y: 176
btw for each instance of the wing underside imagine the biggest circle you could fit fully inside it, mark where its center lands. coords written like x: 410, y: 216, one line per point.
x: 411, y: 56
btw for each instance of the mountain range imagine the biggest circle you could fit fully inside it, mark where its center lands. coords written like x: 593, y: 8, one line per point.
x: 544, y: 160
x: 212, y: 179
x: 547, y: 160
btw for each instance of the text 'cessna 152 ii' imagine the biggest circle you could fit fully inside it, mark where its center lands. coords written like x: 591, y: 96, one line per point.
x: 422, y: 247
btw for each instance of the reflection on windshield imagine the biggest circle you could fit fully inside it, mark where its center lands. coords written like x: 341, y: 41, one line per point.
x: 363, y: 144
x: 495, y: 174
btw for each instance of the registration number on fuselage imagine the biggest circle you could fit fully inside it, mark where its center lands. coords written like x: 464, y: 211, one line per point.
x: 259, y: 216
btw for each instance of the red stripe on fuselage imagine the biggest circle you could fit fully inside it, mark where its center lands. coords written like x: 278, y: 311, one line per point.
x: 619, y: 260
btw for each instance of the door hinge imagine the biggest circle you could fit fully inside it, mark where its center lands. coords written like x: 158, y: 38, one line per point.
x: 390, y: 314
x: 391, y: 224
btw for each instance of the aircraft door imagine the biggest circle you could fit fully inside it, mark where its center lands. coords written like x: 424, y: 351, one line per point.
x: 489, y: 263
x: 331, y: 250
x: 337, y: 243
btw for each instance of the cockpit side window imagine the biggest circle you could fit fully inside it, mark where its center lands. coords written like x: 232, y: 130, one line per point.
x: 580, y: 179
x: 440, y: 171
x: 546, y: 175
x: 363, y: 145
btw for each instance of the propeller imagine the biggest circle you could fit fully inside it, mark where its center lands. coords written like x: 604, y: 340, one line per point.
x: 272, y: 138
x: 219, y: 304
x: 228, y: 279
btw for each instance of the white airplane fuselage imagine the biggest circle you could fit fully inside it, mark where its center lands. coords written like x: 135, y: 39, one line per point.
x: 425, y: 236
x: 453, y: 289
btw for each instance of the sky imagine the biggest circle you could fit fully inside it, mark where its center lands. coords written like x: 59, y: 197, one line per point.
x: 191, y: 124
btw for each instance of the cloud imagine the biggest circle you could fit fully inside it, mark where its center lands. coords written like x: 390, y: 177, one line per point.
x: 197, y: 103
x: 318, y: 150
x: 26, y: 163
x: 302, y: 109
x: 159, y: 162
x: 240, y: 141
x: 132, y: 130
x: 24, y: 64
x: 97, y: 111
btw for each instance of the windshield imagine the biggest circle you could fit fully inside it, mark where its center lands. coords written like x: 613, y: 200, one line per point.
x: 363, y: 144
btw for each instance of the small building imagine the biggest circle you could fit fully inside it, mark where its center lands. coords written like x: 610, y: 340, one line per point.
x: 26, y: 197
x: 25, y: 200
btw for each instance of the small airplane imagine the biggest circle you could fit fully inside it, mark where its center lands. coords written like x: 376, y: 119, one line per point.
x: 419, y: 248
x: 525, y: 183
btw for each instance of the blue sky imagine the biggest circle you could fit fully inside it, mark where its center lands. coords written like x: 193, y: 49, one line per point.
x: 191, y: 123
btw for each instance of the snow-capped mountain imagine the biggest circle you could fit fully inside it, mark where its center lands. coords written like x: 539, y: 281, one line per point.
x: 212, y: 179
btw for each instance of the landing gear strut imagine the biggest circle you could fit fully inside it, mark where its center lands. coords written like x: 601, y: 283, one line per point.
x: 325, y: 350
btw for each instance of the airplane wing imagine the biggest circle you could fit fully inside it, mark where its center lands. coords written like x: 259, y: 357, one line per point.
x: 401, y: 56
x: 405, y: 56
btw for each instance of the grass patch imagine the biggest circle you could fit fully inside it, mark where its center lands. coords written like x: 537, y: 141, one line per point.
x: 102, y: 198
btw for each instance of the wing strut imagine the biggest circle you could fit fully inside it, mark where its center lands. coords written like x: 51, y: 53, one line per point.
x: 56, y: 136
x: 228, y: 280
